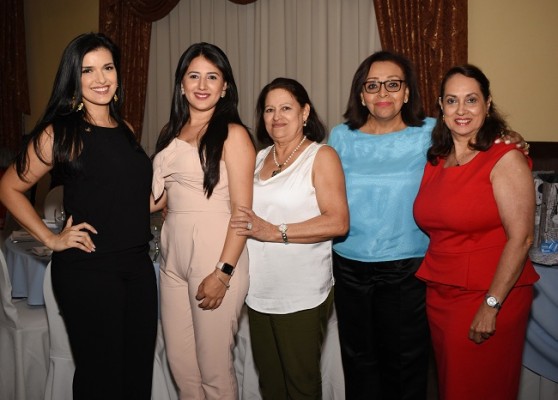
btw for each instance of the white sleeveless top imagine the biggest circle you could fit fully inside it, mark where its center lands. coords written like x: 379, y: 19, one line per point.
x: 286, y: 278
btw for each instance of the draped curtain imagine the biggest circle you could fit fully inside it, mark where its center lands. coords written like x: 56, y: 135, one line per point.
x: 318, y: 42
x: 14, y: 91
x: 128, y: 24
x: 432, y: 33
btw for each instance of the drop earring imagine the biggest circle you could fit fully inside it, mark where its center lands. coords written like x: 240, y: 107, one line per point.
x: 74, y: 106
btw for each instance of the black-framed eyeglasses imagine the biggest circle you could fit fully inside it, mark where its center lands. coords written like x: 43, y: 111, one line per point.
x: 392, y: 85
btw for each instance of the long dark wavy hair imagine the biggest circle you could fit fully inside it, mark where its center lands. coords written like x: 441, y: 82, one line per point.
x: 226, y: 112
x: 314, y: 130
x: 61, y: 111
x: 412, y: 112
x: 494, y: 124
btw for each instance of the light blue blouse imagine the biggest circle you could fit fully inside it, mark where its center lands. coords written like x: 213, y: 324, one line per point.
x: 383, y: 175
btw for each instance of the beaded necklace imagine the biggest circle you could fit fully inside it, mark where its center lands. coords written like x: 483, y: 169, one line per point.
x: 280, y: 166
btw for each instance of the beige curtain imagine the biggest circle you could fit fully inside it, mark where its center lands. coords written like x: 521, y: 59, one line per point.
x: 318, y: 42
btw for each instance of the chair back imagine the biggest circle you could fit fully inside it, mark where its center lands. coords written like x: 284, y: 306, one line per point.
x: 53, y: 201
x: 8, y: 313
x: 23, y: 344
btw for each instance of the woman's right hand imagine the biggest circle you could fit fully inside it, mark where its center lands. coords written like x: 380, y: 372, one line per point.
x: 73, y: 236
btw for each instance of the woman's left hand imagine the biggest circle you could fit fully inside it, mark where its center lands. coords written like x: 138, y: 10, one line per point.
x: 211, y: 291
x: 247, y: 223
x: 513, y: 137
x: 484, y: 324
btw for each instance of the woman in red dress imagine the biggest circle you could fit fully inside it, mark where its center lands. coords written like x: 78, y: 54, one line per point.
x: 476, y: 202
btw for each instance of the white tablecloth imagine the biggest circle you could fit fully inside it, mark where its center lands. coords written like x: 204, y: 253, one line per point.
x: 26, y: 270
x: 541, y: 345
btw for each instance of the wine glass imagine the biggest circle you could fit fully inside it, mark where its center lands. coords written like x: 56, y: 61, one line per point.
x: 156, y: 235
x: 59, y: 219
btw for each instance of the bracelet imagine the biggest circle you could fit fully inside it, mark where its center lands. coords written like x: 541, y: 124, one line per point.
x: 283, y: 229
x: 227, y: 285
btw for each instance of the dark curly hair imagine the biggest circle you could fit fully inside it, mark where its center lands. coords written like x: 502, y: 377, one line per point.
x: 494, y: 124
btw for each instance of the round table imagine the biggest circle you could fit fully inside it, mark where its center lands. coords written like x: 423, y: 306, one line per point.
x: 26, y: 270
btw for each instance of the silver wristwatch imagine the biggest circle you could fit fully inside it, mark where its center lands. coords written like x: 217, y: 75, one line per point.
x: 493, y: 302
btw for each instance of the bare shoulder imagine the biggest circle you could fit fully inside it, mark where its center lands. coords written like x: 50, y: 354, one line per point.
x: 513, y: 165
x: 238, y: 136
x: 236, y: 129
x: 512, y: 159
x: 327, y: 154
x: 327, y: 151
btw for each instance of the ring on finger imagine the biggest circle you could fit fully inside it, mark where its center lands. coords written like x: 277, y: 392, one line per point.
x: 249, y: 226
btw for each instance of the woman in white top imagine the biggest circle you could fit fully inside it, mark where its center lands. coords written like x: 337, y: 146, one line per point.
x: 299, y: 207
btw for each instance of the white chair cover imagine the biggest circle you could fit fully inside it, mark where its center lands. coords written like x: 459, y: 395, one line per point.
x: 23, y: 345
x: 333, y: 381
x: 533, y: 386
x: 61, y: 366
x: 163, y: 384
x: 246, y: 375
x: 53, y: 201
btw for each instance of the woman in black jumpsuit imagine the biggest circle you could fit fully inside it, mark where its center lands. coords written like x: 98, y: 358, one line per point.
x: 102, y: 275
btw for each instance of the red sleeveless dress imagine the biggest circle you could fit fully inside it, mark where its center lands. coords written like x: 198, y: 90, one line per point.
x: 456, y: 207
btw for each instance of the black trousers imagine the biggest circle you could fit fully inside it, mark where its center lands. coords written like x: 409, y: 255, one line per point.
x: 383, y: 328
x: 110, y: 309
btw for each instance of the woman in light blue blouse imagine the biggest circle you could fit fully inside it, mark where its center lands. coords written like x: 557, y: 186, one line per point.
x: 380, y: 304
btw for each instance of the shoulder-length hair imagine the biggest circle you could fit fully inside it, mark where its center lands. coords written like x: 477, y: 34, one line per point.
x: 494, y: 124
x: 314, y: 130
x: 412, y: 112
x: 62, y: 111
x: 226, y: 112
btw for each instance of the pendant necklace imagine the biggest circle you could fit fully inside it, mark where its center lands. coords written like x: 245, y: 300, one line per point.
x: 280, y: 166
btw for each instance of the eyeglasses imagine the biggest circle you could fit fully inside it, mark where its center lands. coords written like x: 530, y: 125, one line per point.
x: 393, y: 85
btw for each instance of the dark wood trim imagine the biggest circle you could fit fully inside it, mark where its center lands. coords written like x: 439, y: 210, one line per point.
x: 544, y: 155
